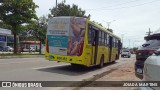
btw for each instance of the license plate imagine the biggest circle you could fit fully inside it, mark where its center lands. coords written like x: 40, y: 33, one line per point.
x: 139, y: 71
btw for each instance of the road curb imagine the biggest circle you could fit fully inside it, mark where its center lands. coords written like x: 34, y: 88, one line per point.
x: 27, y: 56
x: 87, y: 81
x: 93, y: 78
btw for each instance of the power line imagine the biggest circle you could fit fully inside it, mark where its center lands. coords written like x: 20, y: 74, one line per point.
x: 126, y: 6
x: 114, y: 5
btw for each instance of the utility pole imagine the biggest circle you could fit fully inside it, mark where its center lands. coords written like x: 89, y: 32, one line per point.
x: 122, y: 39
x: 108, y: 23
x: 129, y: 43
x: 149, y: 32
x: 56, y: 4
x: 133, y: 44
x: 56, y: 8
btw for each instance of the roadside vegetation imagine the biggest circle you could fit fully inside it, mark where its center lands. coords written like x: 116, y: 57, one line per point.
x: 20, y: 17
x: 19, y: 54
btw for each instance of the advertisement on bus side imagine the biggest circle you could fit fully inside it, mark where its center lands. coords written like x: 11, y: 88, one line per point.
x: 66, y: 35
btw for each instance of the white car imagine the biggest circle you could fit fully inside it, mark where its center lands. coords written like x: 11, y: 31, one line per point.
x: 126, y: 53
x: 32, y: 49
x: 151, y: 71
x: 8, y: 49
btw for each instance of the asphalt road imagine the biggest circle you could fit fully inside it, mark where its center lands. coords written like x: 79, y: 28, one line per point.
x: 39, y: 69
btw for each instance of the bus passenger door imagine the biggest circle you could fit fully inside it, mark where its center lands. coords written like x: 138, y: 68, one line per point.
x: 94, y: 46
x: 110, y: 48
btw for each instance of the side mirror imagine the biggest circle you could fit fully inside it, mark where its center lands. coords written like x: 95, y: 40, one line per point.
x: 157, y: 53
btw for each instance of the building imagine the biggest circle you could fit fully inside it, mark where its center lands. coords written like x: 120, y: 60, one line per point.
x: 4, y: 33
x: 155, y: 35
x: 28, y: 44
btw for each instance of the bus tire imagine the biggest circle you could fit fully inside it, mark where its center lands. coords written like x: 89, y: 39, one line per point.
x: 101, y: 62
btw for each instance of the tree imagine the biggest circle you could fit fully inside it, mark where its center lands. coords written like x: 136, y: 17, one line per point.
x: 3, y: 25
x: 38, y: 29
x: 135, y: 49
x: 41, y: 30
x: 15, y: 13
x: 66, y: 10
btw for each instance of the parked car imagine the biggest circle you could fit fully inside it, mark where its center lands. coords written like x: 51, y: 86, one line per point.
x: 126, y: 53
x: 8, y: 49
x: 1, y: 48
x: 32, y: 49
x: 152, y: 70
x: 143, y: 53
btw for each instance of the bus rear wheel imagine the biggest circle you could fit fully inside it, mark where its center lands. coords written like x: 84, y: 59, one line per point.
x: 101, y: 62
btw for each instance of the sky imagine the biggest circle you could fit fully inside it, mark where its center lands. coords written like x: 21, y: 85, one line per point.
x: 129, y: 19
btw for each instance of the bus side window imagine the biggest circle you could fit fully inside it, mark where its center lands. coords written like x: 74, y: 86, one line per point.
x: 113, y: 42
x: 116, y: 43
x: 103, y: 38
x: 100, y: 37
x: 93, y: 38
x: 107, y: 39
x: 90, y: 34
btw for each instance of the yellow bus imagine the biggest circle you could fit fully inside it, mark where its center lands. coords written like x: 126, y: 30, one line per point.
x: 79, y: 41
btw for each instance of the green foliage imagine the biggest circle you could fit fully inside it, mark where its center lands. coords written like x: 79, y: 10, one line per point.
x: 135, y: 49
x: 15, y: 13
x: 39, y: 28
x: 66, y: 10
x: 3, y: 25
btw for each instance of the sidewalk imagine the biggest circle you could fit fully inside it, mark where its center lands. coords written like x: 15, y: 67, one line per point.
x: 25, y: 56
x: 7, y: 55
x: 124, y: 72
x: 21, y: 52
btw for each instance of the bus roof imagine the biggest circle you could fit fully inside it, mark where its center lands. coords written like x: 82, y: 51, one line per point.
x: 102, y: 28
